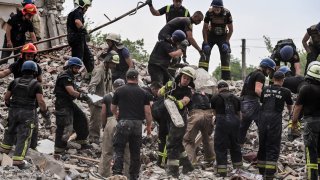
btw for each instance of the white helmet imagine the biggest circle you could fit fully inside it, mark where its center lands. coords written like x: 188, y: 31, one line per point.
x: 313, y: 63
x: 189, y: 71
x: 314, y: 71
x: 83, y: 3
x: 114, y: 37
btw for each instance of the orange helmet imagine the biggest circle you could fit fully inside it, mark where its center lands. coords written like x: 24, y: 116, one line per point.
x: 29, y: 9
x: 29, y: 48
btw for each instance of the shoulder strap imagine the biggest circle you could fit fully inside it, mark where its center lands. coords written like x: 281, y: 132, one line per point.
x: 168, y: 8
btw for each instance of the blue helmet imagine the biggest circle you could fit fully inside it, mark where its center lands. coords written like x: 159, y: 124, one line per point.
x: 178, y: 35
x: 268, y: 63
x: 24, y: 2
x: 29, y: 65
x: 74, y: 61
x: 284, y: 69
x: 286, y: 52
x: 217, y: 3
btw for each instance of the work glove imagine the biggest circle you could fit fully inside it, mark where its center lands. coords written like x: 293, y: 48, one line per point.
x: 84, y: 97
x: 149, y: 2
x: 293, y: 132
x: 46, y: 116
x: 178, y: 102
x: 206, y: 48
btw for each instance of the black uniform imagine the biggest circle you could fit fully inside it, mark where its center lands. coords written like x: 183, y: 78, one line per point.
x: 250, y: 102
x: 309, y: 98
x: 172, y: 12
x: 180, y: 23
x: 122, y: 67
x: 69, y: 116
x: 227, y: 107
x: 159, y: 61
x: 273, y: 99
x: 22, y: 114
x: 217, y: 36
x: 294, y: 83
x: 130, y: 100
x: 18, y: 31
x: 314, y: 45
x: 76, y: 39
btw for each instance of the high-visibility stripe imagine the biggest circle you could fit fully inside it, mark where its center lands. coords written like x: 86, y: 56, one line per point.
x: 5, y: 146
x: 318, y: 160
x: 168, y: 8
x: 186, y: 13
x: 308, y: 163
x: 237, y: 164
x: 225, y: 68
x: 172, y: 162
x: 203, y: 64
x: 26, y: 143
x: 58, y: 150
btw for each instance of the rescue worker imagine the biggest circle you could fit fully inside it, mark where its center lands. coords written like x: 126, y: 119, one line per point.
x: 16, y: 28
x: 134, y: 106
x: 125, y: 62
x: 185, y: 24
x: 109, y: 123
x: 179, y: 92
x: 35, y: 21
x: 171, y: 11
x: 100, y: 84
x: 226, y: 108
x: 22, y: 97
x: 152, y: 90
x: 251, y: 93
x: 273, y: 99
x: 200, y: 120
x: 69, y: 116
x: 77, y: 35
x: 285, y: 51
x: 293, y: 83
x: 308, y: 102
x: 163, y: 54
x: 311, y: 43
x: 219, y: 20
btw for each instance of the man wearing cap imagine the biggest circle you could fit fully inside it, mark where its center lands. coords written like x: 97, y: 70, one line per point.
x: 273, y: 99
x: 109, y: 123
x: 226, y: 108
x: 311, y: 43
x: 100, y: 84
x: 125, y: 61
x: 130, y: 106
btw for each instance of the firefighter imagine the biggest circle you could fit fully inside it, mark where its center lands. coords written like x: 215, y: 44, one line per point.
x: 251, y: 93
x: 285, y: 51
x: 162, y: 55
x: 311, y: 43
x: 109, y: 124
x: 77, y: 34
x: 308, y: 102
x: 125, y: 61
x: 273, y: 99
x: 16, y: 28
x: 219, y: 20
x: 179, y: 92
x: 293, y: 83
x: 35, y: 21
x: 22, y: 97
x: 200, y: 120
x: 171, y: 11
x: 100, y: 84
x: 134, y: 106
x: 226, y: 108
x: 69, y: 116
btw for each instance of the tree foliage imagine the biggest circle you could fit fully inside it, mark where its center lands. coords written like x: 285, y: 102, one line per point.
x: 268, y: 43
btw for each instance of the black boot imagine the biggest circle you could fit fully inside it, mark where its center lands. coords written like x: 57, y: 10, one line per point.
x: 173, y: 171
x: 187, y: 166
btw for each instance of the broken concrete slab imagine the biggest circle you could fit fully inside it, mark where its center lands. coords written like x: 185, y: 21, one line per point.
x: 6, y: 160
x: 45, y: 146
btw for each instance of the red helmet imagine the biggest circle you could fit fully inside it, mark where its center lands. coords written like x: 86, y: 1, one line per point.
x: 29, y: 9
x: 29, y: 48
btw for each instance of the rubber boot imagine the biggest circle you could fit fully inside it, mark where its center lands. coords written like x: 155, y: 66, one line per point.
x: 187, y: 166
x: 173, y: 171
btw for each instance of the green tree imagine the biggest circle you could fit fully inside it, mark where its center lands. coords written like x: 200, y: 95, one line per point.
x: 137, y: 50
x: 267, y: 41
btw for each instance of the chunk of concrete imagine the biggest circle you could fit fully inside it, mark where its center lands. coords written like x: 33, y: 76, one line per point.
x: 46, y: 146
x: 6, y: 160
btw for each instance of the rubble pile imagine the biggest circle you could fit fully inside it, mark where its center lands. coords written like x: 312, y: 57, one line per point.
x: 82, y: 164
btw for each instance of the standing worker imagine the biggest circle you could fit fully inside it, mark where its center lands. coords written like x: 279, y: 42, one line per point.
x: 17, y: 26
x: 217, y: 29
x: 313, y: 47
x: 100, y: 84
x: 22, y: 97
x: 69, y: 116
x: 251, y: 93
x: 273, y: 99
x: 226, y: 108
x: 35, y: 21
x: 134, y: 106
x: 77, y: 34
x: 293, y: 83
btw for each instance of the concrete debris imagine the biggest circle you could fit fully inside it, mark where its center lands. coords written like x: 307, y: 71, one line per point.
x: 6, y: 160
x: 45, y: 146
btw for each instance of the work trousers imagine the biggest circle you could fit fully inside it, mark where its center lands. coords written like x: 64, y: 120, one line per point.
x: 128, y: 131
x: 19, y: 131
x: 94, y: 123
x: 34, y: 138
x: 107, y: 150
x: 199, y: 121
x: 311, y: 137
x: 158, y: 73
x: 269, y: 129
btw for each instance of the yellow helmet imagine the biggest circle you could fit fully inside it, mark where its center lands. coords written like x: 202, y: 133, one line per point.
x: 189, y: 71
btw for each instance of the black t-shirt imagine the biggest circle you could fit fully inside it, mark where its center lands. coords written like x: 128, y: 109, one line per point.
x: 149, y: 93
x: 66, y: 78
x: 131, y: 100
x: 250, y: 83
x: 200, y: 101
x: 107, y: 99
x: 15, y: 68
x: 294, y: 83
x: 180, y: 23
x: 309, y: 97
x: 217, y: 102
x: 72, y: 16
x: 160, y: 54
x: 180, y: 92
x: 19, y: 28
x: 172, y: 12
x: 281, y: 94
